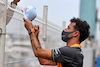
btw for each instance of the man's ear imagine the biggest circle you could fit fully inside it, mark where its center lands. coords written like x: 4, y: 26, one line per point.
x: 76, y: 33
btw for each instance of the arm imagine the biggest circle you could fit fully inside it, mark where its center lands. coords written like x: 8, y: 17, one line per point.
x: 44, y: 56
x: 42, y: 61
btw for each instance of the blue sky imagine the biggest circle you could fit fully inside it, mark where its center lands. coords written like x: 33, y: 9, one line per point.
x: 58, y: 10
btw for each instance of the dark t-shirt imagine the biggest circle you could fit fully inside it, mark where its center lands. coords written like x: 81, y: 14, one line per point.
x: 68, y: 56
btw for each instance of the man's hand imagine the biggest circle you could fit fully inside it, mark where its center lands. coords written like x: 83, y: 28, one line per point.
x: 28, y: 24
x: 15, y: 1
x: 36, y: 27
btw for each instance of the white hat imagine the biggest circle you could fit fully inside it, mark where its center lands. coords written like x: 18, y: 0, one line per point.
x: 30, y: 12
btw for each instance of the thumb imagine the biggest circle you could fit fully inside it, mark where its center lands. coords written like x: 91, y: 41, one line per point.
x: 26, y: 20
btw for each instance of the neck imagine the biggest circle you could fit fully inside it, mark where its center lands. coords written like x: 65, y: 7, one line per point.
x: 72, y: 41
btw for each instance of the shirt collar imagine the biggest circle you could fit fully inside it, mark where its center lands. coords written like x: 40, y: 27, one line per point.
x: 76, y: 45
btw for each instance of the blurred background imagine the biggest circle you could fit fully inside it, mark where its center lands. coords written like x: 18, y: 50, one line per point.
x: 52, y: 16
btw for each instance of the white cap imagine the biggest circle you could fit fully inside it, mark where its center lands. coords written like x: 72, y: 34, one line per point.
x: 30, y: 12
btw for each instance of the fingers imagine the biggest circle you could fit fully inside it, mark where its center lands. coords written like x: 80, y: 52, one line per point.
x: 26, y: 20
x: 36, y: 27
x: 18, y: 0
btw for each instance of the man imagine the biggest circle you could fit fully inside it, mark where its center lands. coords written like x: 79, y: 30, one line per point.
x: 67, y: 56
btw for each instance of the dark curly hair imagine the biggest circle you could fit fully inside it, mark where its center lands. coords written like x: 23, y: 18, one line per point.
x: 83, y: 27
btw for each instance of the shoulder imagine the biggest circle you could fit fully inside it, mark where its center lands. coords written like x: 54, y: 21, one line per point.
x: 66, y: 51
x: 63, y: 54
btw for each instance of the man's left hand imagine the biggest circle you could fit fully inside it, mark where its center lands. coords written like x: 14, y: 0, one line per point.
x: 28, y: 24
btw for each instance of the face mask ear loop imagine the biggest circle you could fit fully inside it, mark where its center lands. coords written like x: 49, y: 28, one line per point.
x: 75, y: 31
x: 72, y: 36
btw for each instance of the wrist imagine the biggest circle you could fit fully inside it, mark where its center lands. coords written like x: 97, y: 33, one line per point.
x: 31, y: 31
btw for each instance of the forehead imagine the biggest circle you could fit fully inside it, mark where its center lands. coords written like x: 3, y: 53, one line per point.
x: 72, y: 24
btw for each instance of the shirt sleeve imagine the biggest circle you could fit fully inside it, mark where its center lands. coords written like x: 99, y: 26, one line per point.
x: 63, y: 55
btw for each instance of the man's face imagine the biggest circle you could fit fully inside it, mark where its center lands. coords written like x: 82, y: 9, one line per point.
x: 70, y: 27
x: 70, y: 33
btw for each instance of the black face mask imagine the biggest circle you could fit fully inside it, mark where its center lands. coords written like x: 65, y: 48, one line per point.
x: 65, y: 37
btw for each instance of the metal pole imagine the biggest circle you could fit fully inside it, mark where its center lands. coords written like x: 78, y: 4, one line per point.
x: 3, y: 6
x: 10, y: 12
x: 63, y: 27
x: 45, y: 11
